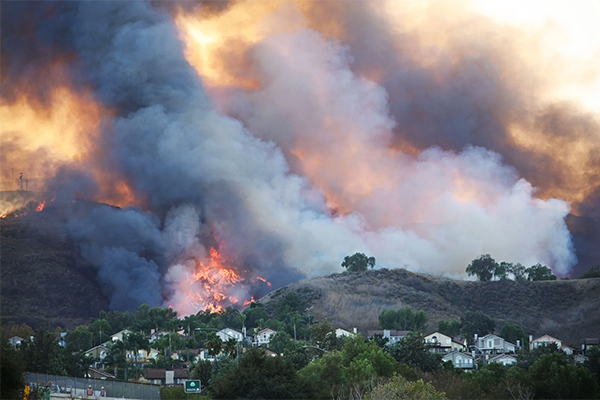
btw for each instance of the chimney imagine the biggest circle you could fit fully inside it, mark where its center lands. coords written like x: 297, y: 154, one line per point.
x: 355, y: 330
x: 530, y: 342
x: 244, y: 331
x: 518, y: 343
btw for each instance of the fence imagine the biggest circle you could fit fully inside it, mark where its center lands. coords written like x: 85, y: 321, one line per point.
x: 79, y: 386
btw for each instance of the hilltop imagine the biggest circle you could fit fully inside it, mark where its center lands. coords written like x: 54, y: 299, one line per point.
x: 567, y: 309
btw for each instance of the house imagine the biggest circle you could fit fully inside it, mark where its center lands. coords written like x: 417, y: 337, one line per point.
x: 580, y: 358
x: 546, y: 340
x: 187, y: 355
x: 15, y: 341
x: 97, y: 352
x: 263, y: 337
x: 442, y: 343
x: 95, y: 373
x: 228, y: 333
x: 504, y: 359
x: 492, y: 344
x: 204, y: 356
x: 392, y: 335
x: 157, y: 335
x: 267, y: 351
x: 143, y: 356
x: 339, y: 332
x: 460, y: 360
x: 170, y: 377
x: 119, y: 335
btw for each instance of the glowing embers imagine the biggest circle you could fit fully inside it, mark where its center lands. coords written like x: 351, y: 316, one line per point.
x: 211, y: 285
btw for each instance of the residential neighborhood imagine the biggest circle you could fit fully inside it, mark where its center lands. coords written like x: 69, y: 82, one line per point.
x: 191, y: 348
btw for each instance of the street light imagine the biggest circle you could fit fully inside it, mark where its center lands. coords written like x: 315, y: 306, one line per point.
x: 237, y: 343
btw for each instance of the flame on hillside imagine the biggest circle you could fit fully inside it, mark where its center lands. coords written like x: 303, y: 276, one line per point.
x: 211, y: 284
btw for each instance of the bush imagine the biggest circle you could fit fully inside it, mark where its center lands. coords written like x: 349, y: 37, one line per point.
x: 399, y: 388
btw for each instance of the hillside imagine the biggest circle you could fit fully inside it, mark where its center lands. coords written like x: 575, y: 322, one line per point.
x: 566, y: 308
x: 44, y: 280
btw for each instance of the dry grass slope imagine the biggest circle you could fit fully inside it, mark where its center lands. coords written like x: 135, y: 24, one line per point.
x: 567, y: 309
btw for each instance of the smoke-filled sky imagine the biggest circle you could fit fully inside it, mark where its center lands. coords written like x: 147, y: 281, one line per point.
x: 253, y: 143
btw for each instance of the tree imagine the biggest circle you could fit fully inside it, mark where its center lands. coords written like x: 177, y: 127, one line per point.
x: 539, y: 272
x: 257, y: 376
x: 518, y: 271
x: 348, y: 372
x: 42, y: 354
x: 414, y: 352
x: 100, y: 329
x: 79, y: 339
x: 513, y: 332
x: 554, y: 377
x: 476, y: 322
x: 253, y: 313
x: 450, y: 328
x: 398, y: 388
x: 358, y: 262
x: 403, y: 319
x: 594, y: 272
x: 136, y: 341
x: 12, y: 372
x: 483, y: 267
x: 320, y: 330
x: 202, y: 370
x: 281, y: 342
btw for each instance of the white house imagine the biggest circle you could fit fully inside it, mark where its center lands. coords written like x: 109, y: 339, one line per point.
x: 204, y: 356
x: 442, y: 343
x: 15, y: 341
x: 460, y: 360
x: 546, y: 340
x: 492, y: 344
x: 504, y: 359
x: 119, y: 335
x: 228, y: 333
x: 263, y: 337
x: 392, y: 335
x: 339, y: 332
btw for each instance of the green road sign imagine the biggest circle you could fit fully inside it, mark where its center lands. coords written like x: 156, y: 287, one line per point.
x: 192, y: 387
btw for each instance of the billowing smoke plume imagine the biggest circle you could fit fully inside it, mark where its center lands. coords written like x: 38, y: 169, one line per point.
x: 301, y: 146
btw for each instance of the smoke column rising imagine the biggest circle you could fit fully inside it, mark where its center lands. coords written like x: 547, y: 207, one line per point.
x: 290, y: 154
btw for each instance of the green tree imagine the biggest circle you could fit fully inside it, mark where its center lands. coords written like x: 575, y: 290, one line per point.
x: 136, y: 341
x: 348, y: 372
x: 476, y: 322
x: 42, y: 354
x: 281, y: 342
x: 257, y: 376
x: 289, y: 304
x: 100, y: 329
x: 79, y: 339
x: 255, y: 312
x: 518, y: 271
x: 213, y: 344
x: 483, y: 267
x: 398, y: 388
x: 115, y: 356
x: 450, y: 328
x: 203, y: 371
x: 513, y: 332
x: 593, y: 361
x: 358, y: 262
x: 414, y: 352
x: 594, y: 272
x: 403, y: 319
x: 554, y: 377
x: 12, y: 370
x: 539, y: 272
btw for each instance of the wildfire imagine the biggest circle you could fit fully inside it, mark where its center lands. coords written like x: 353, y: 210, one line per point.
x: 211, y: 285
